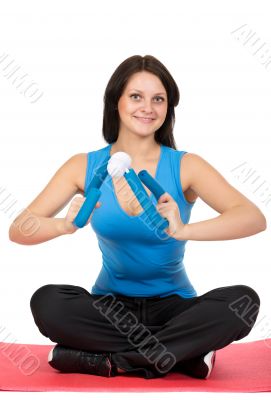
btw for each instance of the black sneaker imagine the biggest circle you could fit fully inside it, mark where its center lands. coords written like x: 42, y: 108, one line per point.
x: 66, y: 359
x: 200, y: 367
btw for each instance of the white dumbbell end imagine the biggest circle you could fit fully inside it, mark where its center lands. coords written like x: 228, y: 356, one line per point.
x: 118, y: 164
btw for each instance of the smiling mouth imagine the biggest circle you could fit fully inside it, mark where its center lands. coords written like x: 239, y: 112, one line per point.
x: 145, y: 119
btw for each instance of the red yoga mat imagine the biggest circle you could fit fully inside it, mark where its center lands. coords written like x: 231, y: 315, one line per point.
x: 239, y: 367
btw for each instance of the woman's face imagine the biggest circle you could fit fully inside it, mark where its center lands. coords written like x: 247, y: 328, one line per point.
x: 143, y: 104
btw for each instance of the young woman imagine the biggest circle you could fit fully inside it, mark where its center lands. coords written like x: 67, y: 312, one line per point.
x: 142, y: 315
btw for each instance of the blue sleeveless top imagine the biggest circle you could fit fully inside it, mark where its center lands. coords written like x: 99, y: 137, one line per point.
x: 137, y: 260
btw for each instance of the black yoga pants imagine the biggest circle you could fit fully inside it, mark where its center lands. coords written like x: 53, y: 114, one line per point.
x: 146, y: 335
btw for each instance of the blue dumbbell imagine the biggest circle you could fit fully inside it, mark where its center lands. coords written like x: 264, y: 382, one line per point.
x: 133, y: 180
x: 92, y: 196
x: 151, y: 184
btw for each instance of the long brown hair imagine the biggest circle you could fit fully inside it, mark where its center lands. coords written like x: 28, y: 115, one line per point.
x: 116, y: 85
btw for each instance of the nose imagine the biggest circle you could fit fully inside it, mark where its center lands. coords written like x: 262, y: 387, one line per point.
x: 147, y: 106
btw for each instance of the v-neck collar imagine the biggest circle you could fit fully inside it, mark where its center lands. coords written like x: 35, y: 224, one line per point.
x: 151, y: 196
x: 158, y: 163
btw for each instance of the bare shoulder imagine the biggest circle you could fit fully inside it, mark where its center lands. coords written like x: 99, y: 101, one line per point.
x: 202, y: 179
x: 78, y: 165
x: 195, y: 166
x: 66, y: 182
x: 188, y: 163
x: 194, y: 169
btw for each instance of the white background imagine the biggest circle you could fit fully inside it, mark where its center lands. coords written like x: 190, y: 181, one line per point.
x: 70, y: 50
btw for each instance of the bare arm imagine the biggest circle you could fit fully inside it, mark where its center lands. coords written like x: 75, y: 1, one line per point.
x: 29, y: 228
x: 238, y: 218
x: 36, y: 224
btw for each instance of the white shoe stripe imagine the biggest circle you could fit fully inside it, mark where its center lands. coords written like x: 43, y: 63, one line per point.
x: 50, y: 355
x: 209, y: 360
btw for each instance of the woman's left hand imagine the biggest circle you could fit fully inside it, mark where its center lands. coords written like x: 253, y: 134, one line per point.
x: 168, y: 208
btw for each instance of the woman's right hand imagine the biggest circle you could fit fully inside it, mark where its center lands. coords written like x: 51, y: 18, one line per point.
x: 75, y: 206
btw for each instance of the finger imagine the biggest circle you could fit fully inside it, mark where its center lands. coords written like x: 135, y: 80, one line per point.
x: 164, y: 198
x: 162, y: 206
x: 97, y: 205
x: 78, y: 202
